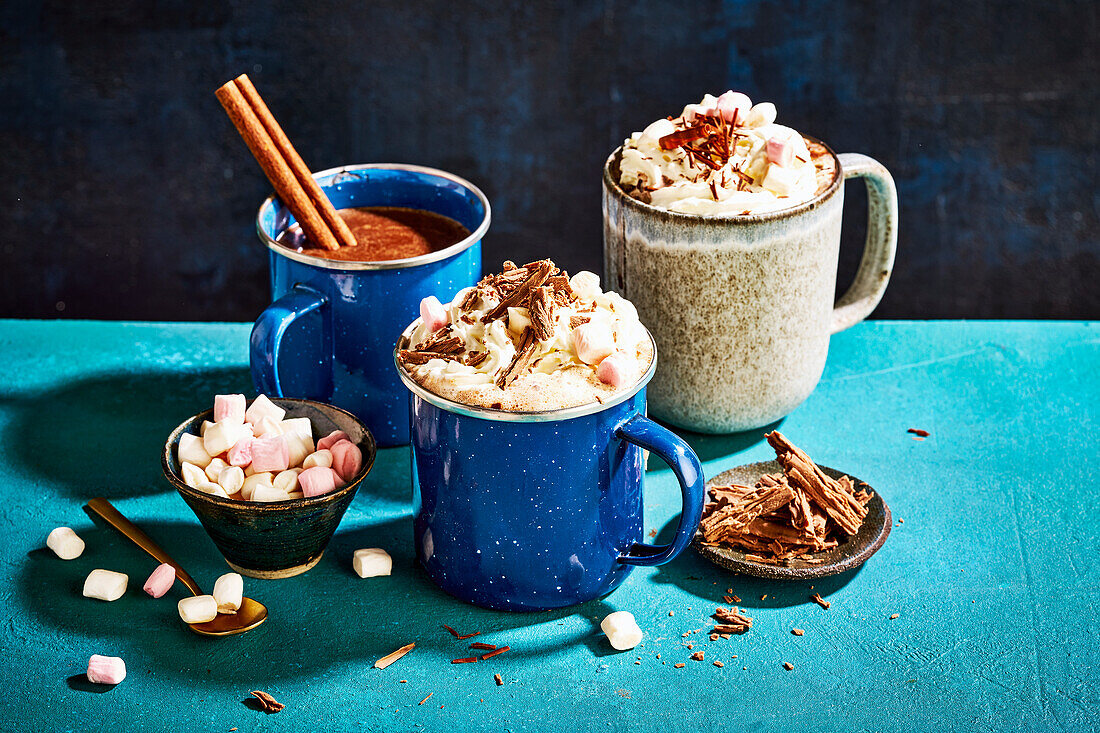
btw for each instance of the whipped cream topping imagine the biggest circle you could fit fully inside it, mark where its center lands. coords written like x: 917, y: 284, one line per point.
x: 529, y: 339
x: 723, y: 156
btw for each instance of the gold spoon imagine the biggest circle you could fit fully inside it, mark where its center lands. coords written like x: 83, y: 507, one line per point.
x: 251, y: 613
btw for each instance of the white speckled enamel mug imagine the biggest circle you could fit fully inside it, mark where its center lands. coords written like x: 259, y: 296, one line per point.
x: 742, y: 307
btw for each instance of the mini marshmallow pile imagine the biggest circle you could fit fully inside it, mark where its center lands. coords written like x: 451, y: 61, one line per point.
x: 752, y: 165
x: 253, y: 453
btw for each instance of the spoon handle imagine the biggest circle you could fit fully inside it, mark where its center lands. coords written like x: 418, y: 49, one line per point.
x: 113, y: 517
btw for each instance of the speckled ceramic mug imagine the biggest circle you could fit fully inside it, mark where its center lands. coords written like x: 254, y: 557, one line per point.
x: 742, y: 307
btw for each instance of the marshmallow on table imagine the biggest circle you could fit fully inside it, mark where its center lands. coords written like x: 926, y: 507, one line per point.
x: 241, y: 452
x: 593, y: 342
x: 262, y: 407
x: 106, y: 670
x: 287, y: 480
x: 198, y: 609
x: 231, y: 479
x: 317, y: 481
x: 271, y: 454
x: 622, y: 630
x: 255, y: 481
x: 371, y: 562
x: 161, y: 580
x: 228, y: 592
x: 191, y: 450
x: 433, y: 314
x: 321, y: 458
x: 780, y: 152
x: 214, y: 468
x: 332, y: 439
x: 106, y: 585
x: 65, y: 543
x: 613, y: 370
x: 347, y: 459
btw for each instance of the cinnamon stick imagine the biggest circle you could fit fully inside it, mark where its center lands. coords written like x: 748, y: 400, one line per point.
x: 287, y: 186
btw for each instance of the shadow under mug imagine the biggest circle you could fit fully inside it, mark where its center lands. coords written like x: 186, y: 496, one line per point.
x: 328, y: 334
x: 539, y: 510
x: 742, y: 306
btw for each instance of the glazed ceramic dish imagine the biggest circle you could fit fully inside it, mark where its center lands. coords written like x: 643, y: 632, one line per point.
x: 741, y: 307
x: 274, y: 539
x: 528, y: 511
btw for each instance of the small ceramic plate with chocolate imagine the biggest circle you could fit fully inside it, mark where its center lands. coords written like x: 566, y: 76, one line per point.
x: 850, y: 552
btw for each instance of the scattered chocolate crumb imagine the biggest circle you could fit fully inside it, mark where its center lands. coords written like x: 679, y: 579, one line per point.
x: 653, y: 533
x: 788, y: 666
x: 714, y: 637
x: 464, y: 660
x: 658, y: 656
x: 728, y: 599
x: 495, y: 652
x: 697, y: 656
x: 736, y: 599
x: 816, y: 598
x: 671, y: 613
x: 918, y: 431
x: 733, y: 621
x: 637, y: 662
x: 480, y: 645
x: 729, y: 590
x: 797, y: 632
x: 678, y: 665
x: 763, y: 596
x: 690, y: 646
x: 425, y: 699
x: 894, y: 616
x: 725, y: 636
x: 498, y: 680
x: 901, y: 521
x: 402, y: 681
x: 718, y: 664
x: 267, y: 703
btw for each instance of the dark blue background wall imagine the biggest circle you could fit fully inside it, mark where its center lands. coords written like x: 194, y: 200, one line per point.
x: 127, y: 194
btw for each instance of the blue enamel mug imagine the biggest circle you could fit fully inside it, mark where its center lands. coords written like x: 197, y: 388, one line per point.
x: 529, y: 511
x: 327, y: 336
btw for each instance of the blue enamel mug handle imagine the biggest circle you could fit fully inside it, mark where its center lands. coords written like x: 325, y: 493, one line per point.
x: 643, y: 432
x: 268, y: 332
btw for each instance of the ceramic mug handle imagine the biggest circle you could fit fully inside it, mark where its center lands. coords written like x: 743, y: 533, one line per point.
x: 882, y: 241
x: 642, y: 431
x: 267, y: 336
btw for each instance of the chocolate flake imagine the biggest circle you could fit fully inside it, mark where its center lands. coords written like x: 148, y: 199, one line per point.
x: 267, y: 703
x: 525, y: 354
x: 797, y: 632
x: 697, y: 656
x: 816, y: 598
x: 477, y: 358
x: 788, y: 666
x: 495, y: 652
x: 918, y: 431
x: 426, y: 699
x: 679, y: 665
x: 464, y: 660
x: 498, y: 680
x: 542, y: 312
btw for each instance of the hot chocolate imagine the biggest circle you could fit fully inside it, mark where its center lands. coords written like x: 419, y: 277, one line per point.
x: 384, y: 233
x: 528, y: 340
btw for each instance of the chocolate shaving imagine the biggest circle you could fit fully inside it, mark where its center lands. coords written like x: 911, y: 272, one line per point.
x: 697, y: 656
x: 477, y: 358
x: 525, y: 354
x: 482, y: 645
x: 464, y: 660
x: 393, y: 656
x: 538, y: 274
x: 498, y: 680
x: 426, y: 699
x: 816, y: 598
x: 267, y: 703
x: 489, y: 655
x: 575, y: 321
x: 733, y: 621
x: 918, y: 431
x: 542, y: 312
x: 676, y: 139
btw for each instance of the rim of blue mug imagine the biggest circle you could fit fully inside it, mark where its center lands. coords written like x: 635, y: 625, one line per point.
x: 734, y: 219
x: 488, y: 413
x: 445, y: 253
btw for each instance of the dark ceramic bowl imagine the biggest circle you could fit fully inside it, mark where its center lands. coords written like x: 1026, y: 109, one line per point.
x: 282, y: 538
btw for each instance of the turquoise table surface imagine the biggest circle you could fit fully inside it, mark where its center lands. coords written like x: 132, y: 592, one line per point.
x: 992, y: 567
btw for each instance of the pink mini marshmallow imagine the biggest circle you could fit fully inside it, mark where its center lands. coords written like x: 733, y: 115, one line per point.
x: 106, y: 670
x: 347, y: 459
x: 593, y: 342
x: 433, y: 313
x: 316, y: 481
x: 734, y: 107
x: 270, y: 454
x: 161, y: 581
x: 780, y: 152
x: 229, y: 407
x: 613, y: 370
x: 240, y: 454
x: 332, y: 439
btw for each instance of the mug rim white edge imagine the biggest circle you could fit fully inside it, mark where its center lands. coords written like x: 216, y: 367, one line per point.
x: 445, y: 253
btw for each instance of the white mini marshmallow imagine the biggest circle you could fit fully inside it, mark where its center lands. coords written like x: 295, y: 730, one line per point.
x: 585, y: 284
x: 318, y: 458
x: 214, y: 468
x: 298, y: 448
x: 106, y: 585
x: 780, y: 181
x: 518, y: 319
x: 191, y: 450
x: 762, y: 113
x: 106, y: 670
x: 622, y: 630
x: 299, y: 425
x: 287, y: 480
x: 229, y: 407
x: 160, y: 581
x: 205, y: 424
x: 262, y: 407
x: 198, y: 609
x: 592, y: 342
x: 433, y: 314
x: 221, y: 436
x: 65, y: 543
x: 267, y: 427
x: 213, y: 488
x: 228, y: 591
x: 256, y: 480
x: 192, y: 475
x: 268, y: 493
x: 371, y: 562
x: 231, y: 479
